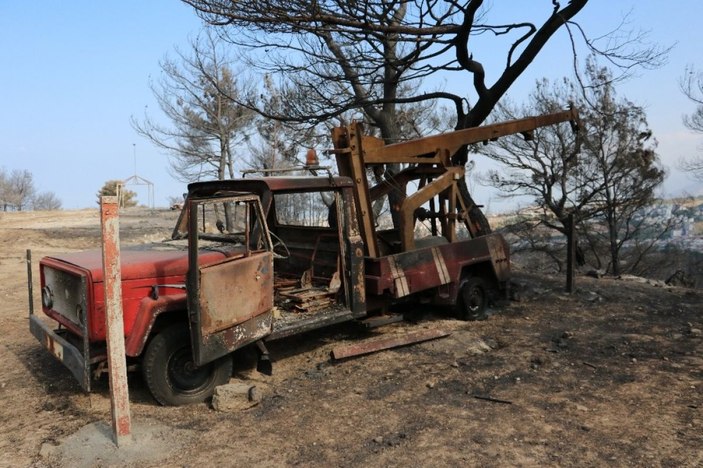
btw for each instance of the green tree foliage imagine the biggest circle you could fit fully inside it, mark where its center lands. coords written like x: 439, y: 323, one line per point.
x: 115, y: 188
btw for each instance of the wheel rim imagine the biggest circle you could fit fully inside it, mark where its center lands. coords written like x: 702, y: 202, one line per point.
x: 473, y: 298
x: 184, y: 375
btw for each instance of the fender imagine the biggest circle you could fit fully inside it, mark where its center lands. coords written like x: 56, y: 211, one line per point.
x: 149, y: 309
x: 490, y: 249
x: 489, y: 253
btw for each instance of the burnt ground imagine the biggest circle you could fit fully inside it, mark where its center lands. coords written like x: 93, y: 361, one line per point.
x: 612, y: 374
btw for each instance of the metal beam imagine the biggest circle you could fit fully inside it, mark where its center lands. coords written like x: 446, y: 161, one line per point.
x: 351, y: 163
x: 438, y: 148
x: 417, y: 199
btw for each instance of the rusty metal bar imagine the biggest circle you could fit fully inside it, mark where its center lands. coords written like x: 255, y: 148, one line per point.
x: 86, y: 334
x: 416, y: 151
x: 30, y: 285
x: 417, y: 199
x: 352, y: 165
x: 367, y: 347
x: 116, y: 361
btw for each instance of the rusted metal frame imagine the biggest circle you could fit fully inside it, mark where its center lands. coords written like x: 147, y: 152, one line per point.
x: 341, y: 199
x: 417, y: 151
x: 352, y: 164
x: 443, y: 213
x: 193, y: 278
x: 357, y: 266
x: 451, y: 219
x: 368, y: 347
x: 210, y: 189
x: 414, y: 151
x: 249, y: 199
x: 247, y: 229
x: 464, y: 215
x: 417, y: 199
x: 86, y: 333
x: 117, y: 364
x: 402, y: 179
x: 365, y: 207
x: 207, y: 347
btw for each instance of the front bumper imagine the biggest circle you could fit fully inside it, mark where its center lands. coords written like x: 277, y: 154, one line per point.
x: 57, y: 343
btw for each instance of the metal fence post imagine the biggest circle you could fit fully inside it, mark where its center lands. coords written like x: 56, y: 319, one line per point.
x: 117, y: 365
x: 30, y: 285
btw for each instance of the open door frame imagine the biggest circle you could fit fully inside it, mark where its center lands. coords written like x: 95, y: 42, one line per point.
x: 229, y: 302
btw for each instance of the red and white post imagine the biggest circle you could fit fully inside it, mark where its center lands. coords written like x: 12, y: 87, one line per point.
x: 116, y: 361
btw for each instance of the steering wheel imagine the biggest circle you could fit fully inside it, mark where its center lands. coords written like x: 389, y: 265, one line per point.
x: 280, y: 245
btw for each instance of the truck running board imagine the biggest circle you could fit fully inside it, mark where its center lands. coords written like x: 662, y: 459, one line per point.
x: 284, y: 328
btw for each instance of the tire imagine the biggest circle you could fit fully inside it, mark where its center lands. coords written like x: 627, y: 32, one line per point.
x: 171, y: 375
x: 472, y: 301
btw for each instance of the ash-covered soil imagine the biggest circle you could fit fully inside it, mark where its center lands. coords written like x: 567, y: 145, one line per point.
x: 610, y: 375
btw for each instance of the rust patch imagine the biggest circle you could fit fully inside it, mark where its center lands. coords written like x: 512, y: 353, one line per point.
x: 234, y: 291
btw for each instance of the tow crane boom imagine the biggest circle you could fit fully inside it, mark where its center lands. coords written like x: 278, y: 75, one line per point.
x: 430, y: 160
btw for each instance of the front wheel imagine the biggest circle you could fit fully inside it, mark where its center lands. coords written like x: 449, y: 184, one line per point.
x: 172, y: 376
x: 472, y: 302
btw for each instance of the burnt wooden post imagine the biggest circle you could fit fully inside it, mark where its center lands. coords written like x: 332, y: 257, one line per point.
x: 117, y: 364
x: 570, y: 253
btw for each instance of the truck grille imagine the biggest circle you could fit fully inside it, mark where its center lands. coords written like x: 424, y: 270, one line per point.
x: 67, y: 293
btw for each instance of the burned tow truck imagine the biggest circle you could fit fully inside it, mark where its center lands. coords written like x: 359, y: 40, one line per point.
x: 255, y: 259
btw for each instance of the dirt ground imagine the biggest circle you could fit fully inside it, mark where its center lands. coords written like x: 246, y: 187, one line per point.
x: 611, y: 375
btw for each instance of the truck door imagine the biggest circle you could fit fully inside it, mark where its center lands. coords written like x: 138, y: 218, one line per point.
x: 230, y: 300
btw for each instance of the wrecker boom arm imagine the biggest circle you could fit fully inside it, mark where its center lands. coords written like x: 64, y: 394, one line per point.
x: 444, y: 145
x: 432, y: 155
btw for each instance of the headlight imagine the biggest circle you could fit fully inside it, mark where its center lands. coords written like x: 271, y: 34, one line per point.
x: 47, y: 297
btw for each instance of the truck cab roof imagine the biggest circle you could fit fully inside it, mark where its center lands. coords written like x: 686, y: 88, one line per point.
x: 262, y: 185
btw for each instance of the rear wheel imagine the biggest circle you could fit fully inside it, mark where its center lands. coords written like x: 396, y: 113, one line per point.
x: 172, y: 376
x: 472, y: 303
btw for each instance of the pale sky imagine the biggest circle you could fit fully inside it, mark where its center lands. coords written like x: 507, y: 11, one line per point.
x: 73, y: 72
